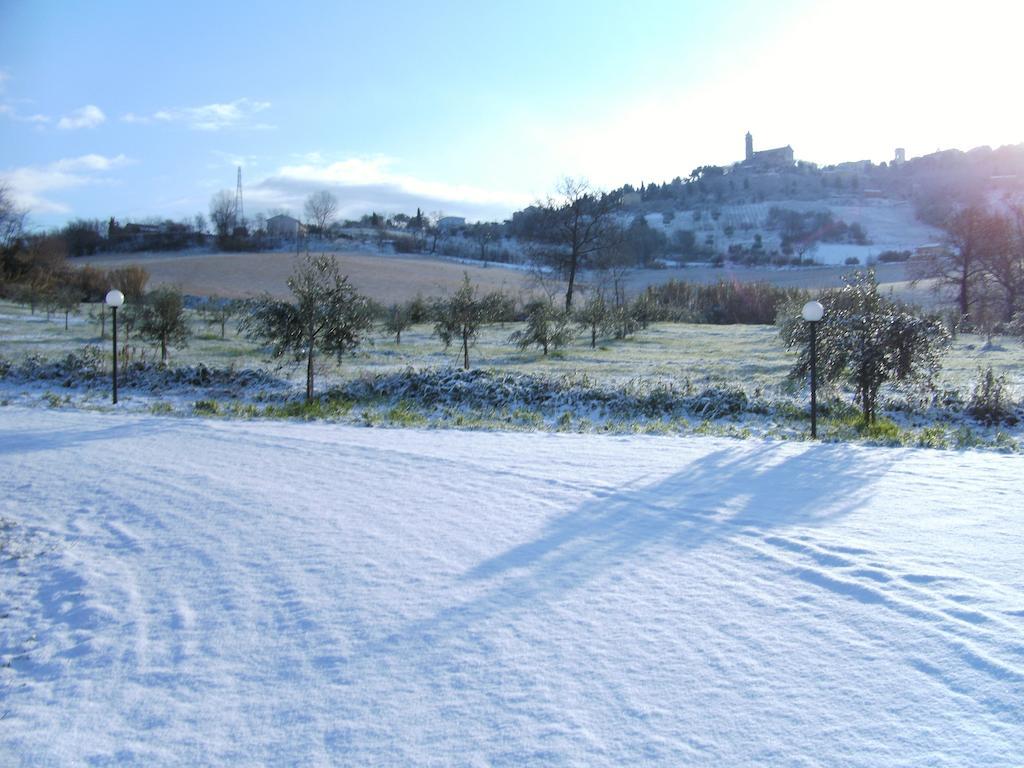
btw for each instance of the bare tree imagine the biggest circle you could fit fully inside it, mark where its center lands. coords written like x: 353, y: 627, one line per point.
x: 320, y: 210
x: 12, y: 219
x: 1003, y: 262
x: 222, y: 213
x: 582, y: 222
x: 961, y: 264
x: 130, y: 280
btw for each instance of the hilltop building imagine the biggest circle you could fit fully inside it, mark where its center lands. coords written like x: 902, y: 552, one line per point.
x: 767, y: 159
x: 451, y: 223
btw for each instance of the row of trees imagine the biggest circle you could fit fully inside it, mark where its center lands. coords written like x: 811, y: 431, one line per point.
x: 327, y: 316
x: 864, y: 338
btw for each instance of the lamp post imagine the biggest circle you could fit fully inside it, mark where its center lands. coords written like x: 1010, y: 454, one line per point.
x: 812, y: 313
x: 114, y: 300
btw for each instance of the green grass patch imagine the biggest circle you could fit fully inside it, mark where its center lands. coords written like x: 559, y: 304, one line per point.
x: 206, y: 408
x: 405, y: 415
x: 318, y: 408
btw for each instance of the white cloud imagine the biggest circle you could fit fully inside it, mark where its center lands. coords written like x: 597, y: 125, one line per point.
x: 363, y: 184
x: 237, y: 114
x: 8, y: 111
x: 88, y: 116
x: 31, y: 184
x: 4, y: 77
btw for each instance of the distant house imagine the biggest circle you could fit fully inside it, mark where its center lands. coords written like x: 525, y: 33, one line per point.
x: 285, y: 227
x: 450, y: 223
x: 932, y: 250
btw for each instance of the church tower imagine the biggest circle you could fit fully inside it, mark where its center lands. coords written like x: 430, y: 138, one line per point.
x: 750, y: 147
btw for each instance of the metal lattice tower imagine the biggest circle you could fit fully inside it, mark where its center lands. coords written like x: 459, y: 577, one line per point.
x: 239, y: 213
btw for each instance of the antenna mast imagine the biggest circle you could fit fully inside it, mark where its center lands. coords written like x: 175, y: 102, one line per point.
x: 239, y: 213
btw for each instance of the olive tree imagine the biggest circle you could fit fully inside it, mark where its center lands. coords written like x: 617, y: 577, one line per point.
x: 67, y: 298
x: 162, y: 319
x: 217, y: 311
x: 325, y: 315
x: 461, y: 316
x: 866, y: 340
x: 594, y: 316
x: 398, y: 317
x: 547, y: 327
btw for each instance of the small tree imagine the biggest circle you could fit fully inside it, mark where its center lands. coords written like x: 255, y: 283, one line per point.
x: 162, y: 319
x: 866, y: 339
x: 326, y: 315
x: 644, y: 309
x: 594, y: 316
x: 546, y: 327
x: 66, y: 299
x: 217, y: 311
x: 397, y: 319
x: 462, y: 316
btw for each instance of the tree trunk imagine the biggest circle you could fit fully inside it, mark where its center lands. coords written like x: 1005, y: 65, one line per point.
x: 962, y: 297
x: 309, y: 375
x: 593, y: 337
x: 66, y: 321
x: 573, y: 262
x: 163, y: 350
x: 465, y: 350
x: 398, y: 339
x: 222, y: 324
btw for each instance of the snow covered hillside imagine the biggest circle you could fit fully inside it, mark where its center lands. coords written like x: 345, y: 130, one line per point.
x: 181, y: 591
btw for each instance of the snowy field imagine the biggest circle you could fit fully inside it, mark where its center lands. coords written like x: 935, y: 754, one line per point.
x: 183, y: 592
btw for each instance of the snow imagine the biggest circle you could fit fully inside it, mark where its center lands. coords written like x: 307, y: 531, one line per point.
x: 182, y: 591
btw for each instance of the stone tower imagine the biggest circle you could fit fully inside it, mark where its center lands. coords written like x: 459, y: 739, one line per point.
x: 750, y: 146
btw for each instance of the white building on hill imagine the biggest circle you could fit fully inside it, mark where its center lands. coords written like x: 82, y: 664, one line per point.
x: 449, y: 223
x: 285, y: 227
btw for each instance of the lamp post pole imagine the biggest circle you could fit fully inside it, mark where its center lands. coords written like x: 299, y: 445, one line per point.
x: 114, y: 300
x: 812, y: 313
x: 114, y: 322
x: 814, y: 382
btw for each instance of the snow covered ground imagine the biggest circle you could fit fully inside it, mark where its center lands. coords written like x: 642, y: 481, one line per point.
x: 181, y: 591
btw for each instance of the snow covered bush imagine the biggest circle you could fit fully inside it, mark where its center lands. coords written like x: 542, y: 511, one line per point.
x: 990, y: 401
x: 72, y: 369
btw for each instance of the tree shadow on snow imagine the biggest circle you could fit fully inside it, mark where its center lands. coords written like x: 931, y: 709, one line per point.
x: 713, y: 497
x: 16, y: 441
x: 716, y: 497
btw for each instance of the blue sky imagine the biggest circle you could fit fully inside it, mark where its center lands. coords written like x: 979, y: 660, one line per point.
x: 135, y: 109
